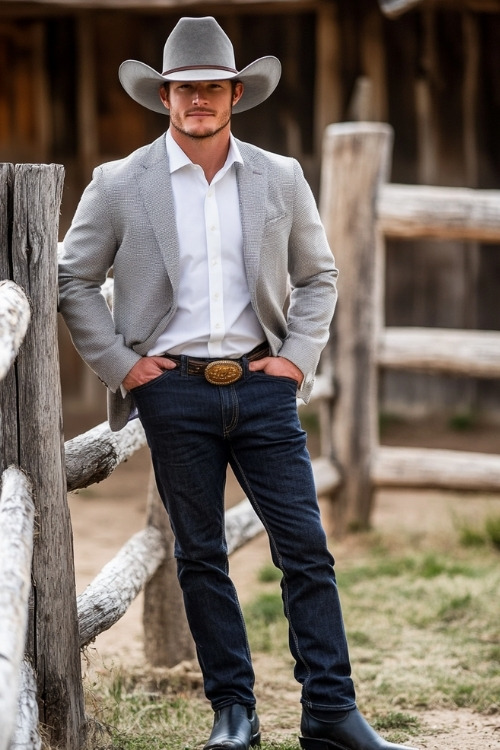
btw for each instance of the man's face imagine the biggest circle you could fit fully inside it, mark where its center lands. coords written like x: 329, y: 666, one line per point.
x: 200, y: 109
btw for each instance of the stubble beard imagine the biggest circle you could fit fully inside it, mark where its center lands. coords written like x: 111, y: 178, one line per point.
x: 200, y: 136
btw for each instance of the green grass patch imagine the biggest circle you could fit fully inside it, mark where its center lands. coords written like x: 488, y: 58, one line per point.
x: 492, y: 528
x: 269, y: 574
x: 423, y: 630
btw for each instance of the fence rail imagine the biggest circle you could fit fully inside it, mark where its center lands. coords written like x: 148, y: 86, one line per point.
x: 360, y: 211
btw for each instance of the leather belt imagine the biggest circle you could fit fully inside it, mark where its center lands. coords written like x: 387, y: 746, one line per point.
x: 220, y: 371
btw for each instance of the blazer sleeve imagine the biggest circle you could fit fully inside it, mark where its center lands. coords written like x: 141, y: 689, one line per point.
x: 88, y: 253
x: 313, y: 279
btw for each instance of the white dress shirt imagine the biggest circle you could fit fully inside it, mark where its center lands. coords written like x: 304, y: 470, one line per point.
x: 214, y: 317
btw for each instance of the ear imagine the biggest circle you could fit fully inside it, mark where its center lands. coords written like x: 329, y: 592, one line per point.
x: 237, y: 92
x: 163, y: 91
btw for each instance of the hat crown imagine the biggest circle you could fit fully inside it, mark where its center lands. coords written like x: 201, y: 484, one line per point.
x: 198, y: 43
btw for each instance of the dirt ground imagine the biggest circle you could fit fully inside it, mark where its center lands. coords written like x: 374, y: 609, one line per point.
x: 104, y: 517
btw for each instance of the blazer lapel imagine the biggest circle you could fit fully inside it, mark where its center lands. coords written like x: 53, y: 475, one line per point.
x: 156, y: 189
x: 251, y: 178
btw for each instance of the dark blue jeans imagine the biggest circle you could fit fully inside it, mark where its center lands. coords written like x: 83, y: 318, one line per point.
x: 194, y: 430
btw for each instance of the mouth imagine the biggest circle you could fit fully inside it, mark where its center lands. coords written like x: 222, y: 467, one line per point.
x: 200, y: 113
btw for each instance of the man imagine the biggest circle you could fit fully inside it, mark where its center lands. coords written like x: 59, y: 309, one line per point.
x: 203, y: 233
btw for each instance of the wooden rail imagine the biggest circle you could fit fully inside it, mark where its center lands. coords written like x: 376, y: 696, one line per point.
x: 443, y: 213
x: 458, y: 352
x: 359, y: 210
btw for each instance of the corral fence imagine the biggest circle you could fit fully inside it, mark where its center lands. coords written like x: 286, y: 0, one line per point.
x: 43, y: 625
x: 360, y: 209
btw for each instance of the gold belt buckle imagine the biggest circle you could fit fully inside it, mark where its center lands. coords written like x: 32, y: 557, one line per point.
x: 223, y: 372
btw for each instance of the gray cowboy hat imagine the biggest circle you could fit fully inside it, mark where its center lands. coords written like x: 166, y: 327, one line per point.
x: 199, y: 50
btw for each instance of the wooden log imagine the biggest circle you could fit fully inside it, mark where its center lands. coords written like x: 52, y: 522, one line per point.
x: 112, y: 591
x: 17, y: 513
x: 445, y: 213
x: 167, y: 638
x: 95, y: 454
x: 26, y: 735
x: 436, y: 469
x: 468, y: 353
x: 14, y: 320
x: 52, y: 642
x: 356, y: 159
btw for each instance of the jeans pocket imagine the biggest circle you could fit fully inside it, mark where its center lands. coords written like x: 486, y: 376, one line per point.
x: 277, y: 378
x: 150, y: 383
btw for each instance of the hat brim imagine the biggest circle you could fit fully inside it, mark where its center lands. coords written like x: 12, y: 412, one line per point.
x: 142, y: 83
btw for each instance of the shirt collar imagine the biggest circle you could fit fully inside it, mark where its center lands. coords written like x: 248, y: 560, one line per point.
x: 178, y: 159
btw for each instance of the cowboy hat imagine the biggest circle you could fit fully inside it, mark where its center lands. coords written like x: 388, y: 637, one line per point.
x: 199, y: 50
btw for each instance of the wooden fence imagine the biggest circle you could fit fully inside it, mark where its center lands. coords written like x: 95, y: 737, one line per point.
x: 359, y: 210
x: 43, y: 625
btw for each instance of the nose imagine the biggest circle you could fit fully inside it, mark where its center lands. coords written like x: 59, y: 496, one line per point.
x: 198, y: 95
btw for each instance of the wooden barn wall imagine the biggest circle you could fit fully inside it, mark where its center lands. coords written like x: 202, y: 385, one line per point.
x: 433, y: 74
x: 444, y: 103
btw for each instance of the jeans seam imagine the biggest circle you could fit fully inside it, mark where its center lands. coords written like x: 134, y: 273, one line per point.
x: 235, y: 409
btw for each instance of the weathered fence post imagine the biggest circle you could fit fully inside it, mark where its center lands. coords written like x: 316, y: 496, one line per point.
x: 356, y: 160
x: 32, y: 439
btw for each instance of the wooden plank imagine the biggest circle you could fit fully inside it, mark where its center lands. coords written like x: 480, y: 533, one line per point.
x: 468, y: 353
x: 52, y: 642
x: 374, y: 65
x: 444, y: 213
x: 17, y: 514
x: 88, y: 130
x: 327, y: 84
x: 356, y: 158
x: 436, y: 469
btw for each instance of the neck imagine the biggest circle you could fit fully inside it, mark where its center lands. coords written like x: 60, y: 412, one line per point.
x: 210, y: 152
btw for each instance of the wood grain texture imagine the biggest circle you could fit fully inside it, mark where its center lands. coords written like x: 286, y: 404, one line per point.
x: 52, y: 642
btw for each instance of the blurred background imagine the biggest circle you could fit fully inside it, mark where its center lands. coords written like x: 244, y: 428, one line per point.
x: 430, y: 68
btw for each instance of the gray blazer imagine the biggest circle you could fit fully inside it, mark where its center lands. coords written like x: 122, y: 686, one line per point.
x: 125, y: 221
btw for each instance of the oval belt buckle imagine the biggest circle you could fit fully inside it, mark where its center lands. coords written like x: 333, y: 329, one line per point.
x: 223, y: 372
